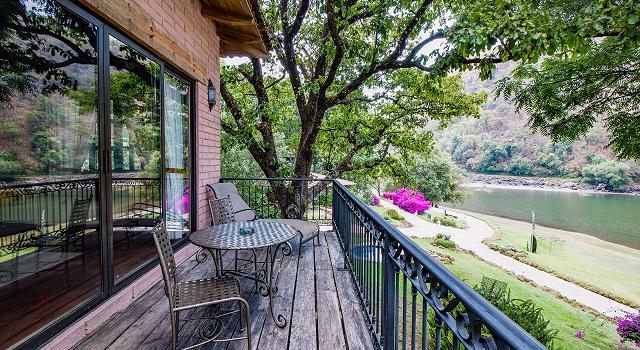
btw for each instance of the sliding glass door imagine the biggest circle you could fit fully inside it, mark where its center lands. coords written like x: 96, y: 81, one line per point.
x: 136, y: 157
x: 95, y: 150
x: 50, y: 190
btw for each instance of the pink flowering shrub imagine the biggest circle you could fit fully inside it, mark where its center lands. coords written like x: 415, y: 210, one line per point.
x: 629, y: 328
x: 409, y: 200
x: 375, y: 200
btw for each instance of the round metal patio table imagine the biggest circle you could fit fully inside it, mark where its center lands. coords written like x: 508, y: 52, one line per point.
x: 273, y: 236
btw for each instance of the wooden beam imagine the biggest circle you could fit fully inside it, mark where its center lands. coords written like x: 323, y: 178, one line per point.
x: 252, y: 51
x: 223, y: 16
x: 238, y: 35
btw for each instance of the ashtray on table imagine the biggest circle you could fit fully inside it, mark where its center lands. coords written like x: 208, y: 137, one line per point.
x: 246, y: 230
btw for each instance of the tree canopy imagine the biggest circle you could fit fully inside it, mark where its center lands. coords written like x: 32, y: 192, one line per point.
x: 352, y: 86
x: 349, y: 77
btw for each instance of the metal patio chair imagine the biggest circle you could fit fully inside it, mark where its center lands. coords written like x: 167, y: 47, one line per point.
x: 71, y: 234
x: 198, y: 293
x: 221, y: 211
x: 243, y: 212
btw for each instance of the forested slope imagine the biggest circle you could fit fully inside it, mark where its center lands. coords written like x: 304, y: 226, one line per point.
x: 500, y: 142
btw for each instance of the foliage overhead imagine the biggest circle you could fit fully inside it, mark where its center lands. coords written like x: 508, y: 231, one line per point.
x: 354, y: 83
x: 566, y: 98
x: 590, y: 68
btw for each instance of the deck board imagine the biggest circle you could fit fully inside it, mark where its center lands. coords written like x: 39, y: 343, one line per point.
x: 331, y: 334
x: 303, y: 332
x: 317, y: 298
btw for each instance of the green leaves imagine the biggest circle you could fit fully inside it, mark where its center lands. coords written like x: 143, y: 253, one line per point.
x: 566, y: 98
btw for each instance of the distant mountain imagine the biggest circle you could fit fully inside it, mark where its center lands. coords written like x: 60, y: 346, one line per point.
x: 500, y: 142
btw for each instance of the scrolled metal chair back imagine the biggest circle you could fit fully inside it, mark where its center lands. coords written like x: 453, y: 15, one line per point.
x: 78, y: 219
x: 167, y: 260
x: 221, y: 211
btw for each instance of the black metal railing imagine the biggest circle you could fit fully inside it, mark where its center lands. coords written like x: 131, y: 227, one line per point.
x: 410, y: 300
x: 127, y: 192
x: 46, y: 203
x: 306, y: 199
x: 49, y: 204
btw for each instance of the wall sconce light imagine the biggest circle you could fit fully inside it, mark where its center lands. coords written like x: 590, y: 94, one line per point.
x: 211, y: 95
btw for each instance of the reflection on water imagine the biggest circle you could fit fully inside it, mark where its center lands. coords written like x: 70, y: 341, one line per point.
x: 611, y: 217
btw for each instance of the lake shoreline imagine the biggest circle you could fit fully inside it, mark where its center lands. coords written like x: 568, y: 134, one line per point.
x: 557, y: 231
x: 475, y: 180
x: 611, y: 218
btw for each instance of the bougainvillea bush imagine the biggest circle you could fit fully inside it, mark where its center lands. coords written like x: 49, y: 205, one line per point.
x: 409, y: 200
x: 375, y: 200
x: 629, y: 328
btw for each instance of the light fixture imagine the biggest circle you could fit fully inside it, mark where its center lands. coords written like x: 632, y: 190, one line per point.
x: 211, y: 95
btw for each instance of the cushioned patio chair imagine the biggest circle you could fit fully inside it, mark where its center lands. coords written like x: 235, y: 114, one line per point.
x: 198, y: 293
x: 243, y: 212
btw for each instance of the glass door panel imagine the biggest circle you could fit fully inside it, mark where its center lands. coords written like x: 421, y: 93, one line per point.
x: 49, y: 174
x: 136, y: 159
x: 176, y: 129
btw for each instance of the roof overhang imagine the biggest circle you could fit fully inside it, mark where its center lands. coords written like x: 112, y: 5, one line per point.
x: 237, y: 29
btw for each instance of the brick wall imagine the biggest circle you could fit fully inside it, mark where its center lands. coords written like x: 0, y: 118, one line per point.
x: 176, y: 32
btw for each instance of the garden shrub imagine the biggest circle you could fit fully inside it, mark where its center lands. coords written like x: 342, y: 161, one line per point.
x: 446, y: 221
x: 409, y: 200
x: 525, y: 313
x: 629, y: 328
x: 444, y: 243
x: 393, y: 214
x: 494, y: 246
x: 510, y: 250
x: 10, y: 167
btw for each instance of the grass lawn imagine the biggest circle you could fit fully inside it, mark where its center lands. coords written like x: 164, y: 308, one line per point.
x: 381, y: 211
x: 568, y: 319
x: 22, y: 252
x: 588, y: 260
x: 431, y: 216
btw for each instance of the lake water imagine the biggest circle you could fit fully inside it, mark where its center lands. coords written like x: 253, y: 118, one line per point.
x: 615, y: 218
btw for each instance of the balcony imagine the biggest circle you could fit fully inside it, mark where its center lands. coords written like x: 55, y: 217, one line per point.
x: 365, y: 286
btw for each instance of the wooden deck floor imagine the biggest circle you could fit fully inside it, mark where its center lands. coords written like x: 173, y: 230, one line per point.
x: 317, y: 298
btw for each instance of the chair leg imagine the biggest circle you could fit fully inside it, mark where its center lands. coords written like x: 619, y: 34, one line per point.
x: 38, y: 262
x: 240, y: 313
x: 174, y: 329
x: 248, y: 322
x: 83, y: 251
x: 65, y: 253
x: 17, y: 266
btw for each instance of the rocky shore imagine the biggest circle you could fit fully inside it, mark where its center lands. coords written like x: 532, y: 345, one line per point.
x: 545, y: 183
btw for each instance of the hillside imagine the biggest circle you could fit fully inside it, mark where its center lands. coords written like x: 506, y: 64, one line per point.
x: 500, y: 142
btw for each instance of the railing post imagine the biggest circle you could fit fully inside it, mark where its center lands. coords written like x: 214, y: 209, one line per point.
x: 388, y: 298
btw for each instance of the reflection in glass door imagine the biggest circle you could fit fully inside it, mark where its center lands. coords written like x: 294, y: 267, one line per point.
x: 136, y: 159
x: 176, y: 130
x: 50, y: 229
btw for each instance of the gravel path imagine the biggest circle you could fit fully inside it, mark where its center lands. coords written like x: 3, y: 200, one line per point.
x: 471, y: 239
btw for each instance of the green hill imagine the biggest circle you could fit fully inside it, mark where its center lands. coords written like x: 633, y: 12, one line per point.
x: 500, y: 142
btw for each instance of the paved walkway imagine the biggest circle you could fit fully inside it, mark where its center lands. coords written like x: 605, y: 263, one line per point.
x: 471, y: 239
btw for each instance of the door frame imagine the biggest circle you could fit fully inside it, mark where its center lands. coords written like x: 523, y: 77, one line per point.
x: 109, y: 287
